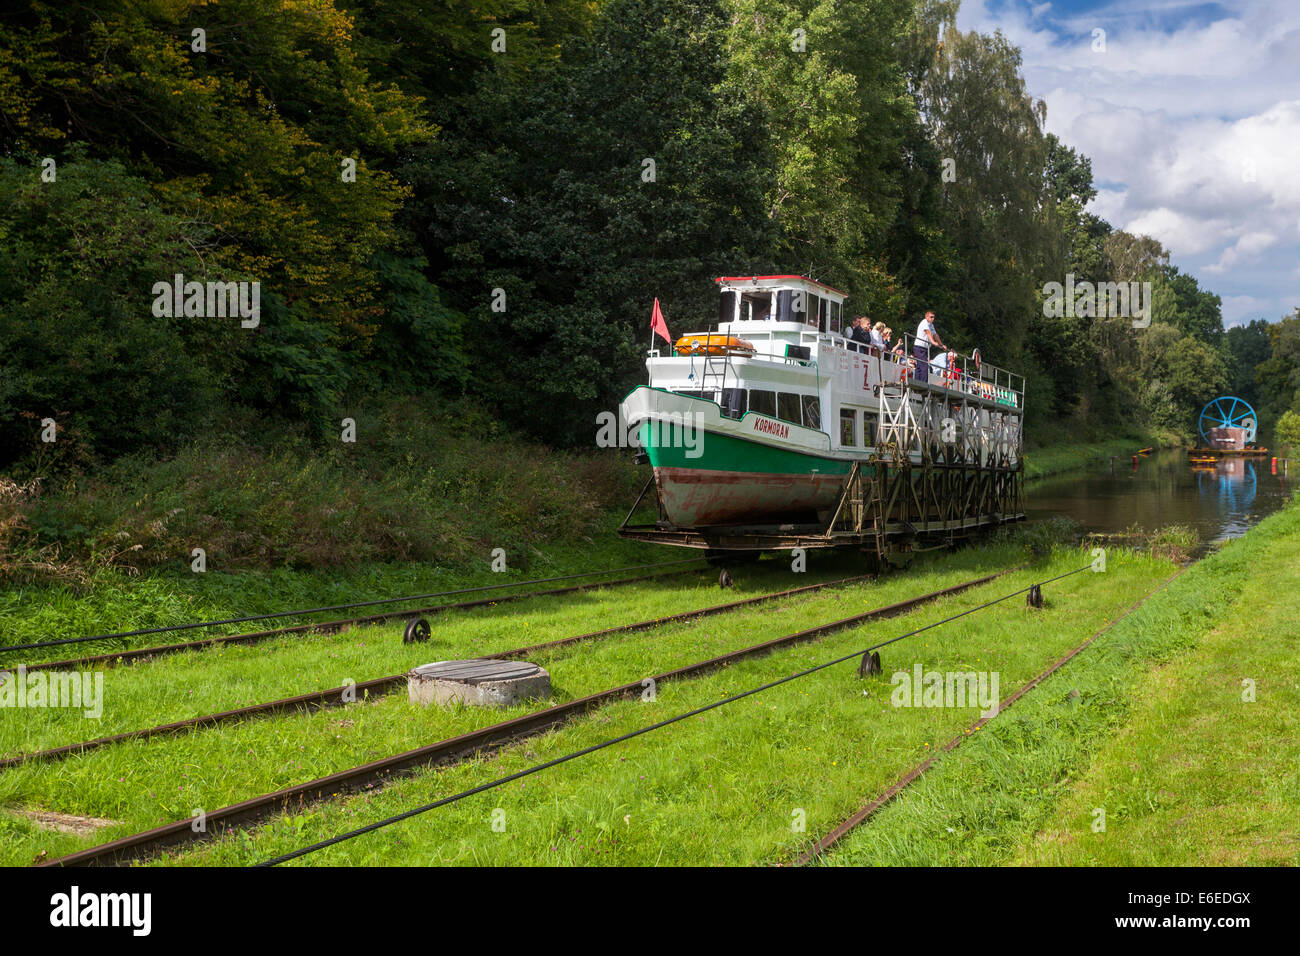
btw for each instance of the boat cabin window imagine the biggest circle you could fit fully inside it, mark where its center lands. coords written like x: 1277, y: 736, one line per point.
x: 762, y: 402
x: 793, y: 306
x: 787, y: 408
x: 812, y: 412
x: 756, y: 306
x: 848, y: 426
x: 869, y: 420
x: 727, y: 307
x: 837, y: 317
x: 733, y: 402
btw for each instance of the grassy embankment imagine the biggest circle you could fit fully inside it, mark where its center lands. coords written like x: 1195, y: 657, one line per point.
x: 1160, y: 736
x: 417, y: 504
x: 724, y: 788
x: 1064, y: 455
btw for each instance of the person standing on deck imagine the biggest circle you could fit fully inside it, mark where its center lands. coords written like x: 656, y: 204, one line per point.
x: 926, y: 340
x: 860, y: 333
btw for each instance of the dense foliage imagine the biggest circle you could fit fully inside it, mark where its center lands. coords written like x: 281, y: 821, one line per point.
x: 480, y: 200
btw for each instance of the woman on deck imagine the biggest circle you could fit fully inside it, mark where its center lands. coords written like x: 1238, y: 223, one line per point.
x: 888, y: 335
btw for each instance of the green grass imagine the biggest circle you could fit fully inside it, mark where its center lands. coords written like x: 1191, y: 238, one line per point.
x: 1059, y: 458
x: 718, y: 789
x: 115, y: 602
x: 1158, y: 736
x: 1199, y: 775
x: 117, y: 782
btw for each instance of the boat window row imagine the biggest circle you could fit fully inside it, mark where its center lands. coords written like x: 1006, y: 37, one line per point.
x: 857, y: 426
x: 784, y: 305
x: 787, y: 406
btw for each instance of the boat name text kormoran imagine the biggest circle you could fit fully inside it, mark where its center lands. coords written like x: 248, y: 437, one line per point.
x: 770, y: 427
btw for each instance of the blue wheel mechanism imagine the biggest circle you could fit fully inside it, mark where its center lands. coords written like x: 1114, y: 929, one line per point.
x: 1228, y: 411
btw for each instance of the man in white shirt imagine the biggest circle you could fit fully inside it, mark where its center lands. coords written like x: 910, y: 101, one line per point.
x: 927, y: 339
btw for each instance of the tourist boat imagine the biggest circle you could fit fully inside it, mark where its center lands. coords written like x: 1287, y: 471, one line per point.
x: 763, y: 420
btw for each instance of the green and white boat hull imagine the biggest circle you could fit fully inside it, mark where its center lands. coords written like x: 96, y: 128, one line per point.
x: 712, y: 470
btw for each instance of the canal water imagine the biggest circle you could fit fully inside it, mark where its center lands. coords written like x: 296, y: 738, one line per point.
x: 1220, y: 502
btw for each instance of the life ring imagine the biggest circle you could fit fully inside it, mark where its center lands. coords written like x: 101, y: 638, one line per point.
x: 975, y: 357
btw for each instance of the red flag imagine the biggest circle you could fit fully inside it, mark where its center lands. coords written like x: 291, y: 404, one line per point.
x: 658, y: 325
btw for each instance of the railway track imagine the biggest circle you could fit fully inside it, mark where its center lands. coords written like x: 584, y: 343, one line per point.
x: 907, y: 779
x: 322, y: 627
x: 339, y: 696
x: 486, y: 739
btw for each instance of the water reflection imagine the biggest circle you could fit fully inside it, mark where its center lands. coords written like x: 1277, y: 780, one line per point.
x: 1221, y: 500
x: 1233, y: 480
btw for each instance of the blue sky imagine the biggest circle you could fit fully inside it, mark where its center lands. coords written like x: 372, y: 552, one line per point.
x: 1191, y: 117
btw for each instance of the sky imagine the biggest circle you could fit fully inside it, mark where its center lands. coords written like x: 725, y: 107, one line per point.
x: 1191, y: 117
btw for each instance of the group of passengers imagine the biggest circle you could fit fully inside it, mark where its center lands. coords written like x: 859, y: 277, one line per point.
x: 929, y: 355
x: 880, y: 336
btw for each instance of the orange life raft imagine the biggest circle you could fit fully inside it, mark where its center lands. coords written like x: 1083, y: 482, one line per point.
x: 714, y: 344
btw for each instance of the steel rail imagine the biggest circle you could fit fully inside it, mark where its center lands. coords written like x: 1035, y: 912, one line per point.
x: 170, y: 628
x: 338, y: 696
x: 323, y: 627
x: 484, y: 739
x: 630, y: 735
x: 907, y: 779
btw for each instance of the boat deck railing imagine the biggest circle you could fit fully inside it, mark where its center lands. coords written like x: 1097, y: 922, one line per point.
x: 968, y: 376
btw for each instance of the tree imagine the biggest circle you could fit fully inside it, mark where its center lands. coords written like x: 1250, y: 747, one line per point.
x: 1287, y: 431
x: 436, y: 51
x: 1068, y: 174
x: 828, y: 77
x: 582, y: 191
x: 79, y: 342
x: 1196, y: 312
x: 1278, y: 377
x: 1067, y: 344
x: 996, y: 211
x: 251, y: 133
x: 1248, y: 346
x: 1135, y: 258
x: 1190, y: 372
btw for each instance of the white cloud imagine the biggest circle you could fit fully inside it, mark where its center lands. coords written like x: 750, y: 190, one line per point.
x: 1191, y: 120
x: 1251, y: 244
x: 1178, y: 233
